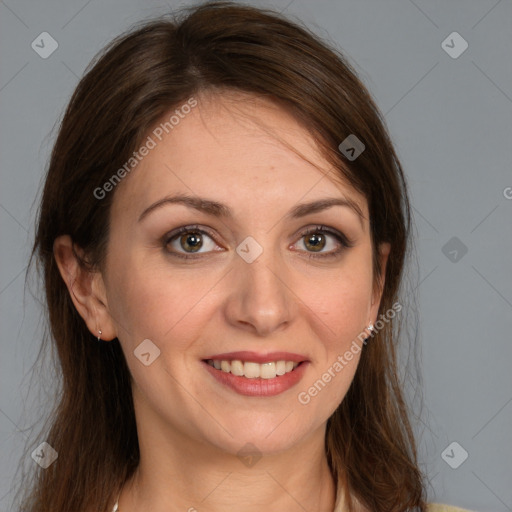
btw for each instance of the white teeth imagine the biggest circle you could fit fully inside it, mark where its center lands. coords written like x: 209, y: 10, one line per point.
x: 252, y: 370
x: 237, y: 368
x: 268, y: 370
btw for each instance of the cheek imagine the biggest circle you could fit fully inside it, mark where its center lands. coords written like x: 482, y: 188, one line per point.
x: 150, y: 301
x: 342, y: 302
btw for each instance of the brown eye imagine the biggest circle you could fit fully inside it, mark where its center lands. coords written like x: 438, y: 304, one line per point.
x: 315, y: 242
x: 323, y: 242
x: 191, y: 242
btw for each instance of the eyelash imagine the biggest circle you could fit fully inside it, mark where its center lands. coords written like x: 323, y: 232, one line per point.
x: 344, y: 242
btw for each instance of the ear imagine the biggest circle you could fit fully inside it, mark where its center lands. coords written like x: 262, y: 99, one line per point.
x: 86, y: 288
x: 384, y: 250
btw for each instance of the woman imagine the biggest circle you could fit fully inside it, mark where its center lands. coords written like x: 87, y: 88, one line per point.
x: 222, y: 234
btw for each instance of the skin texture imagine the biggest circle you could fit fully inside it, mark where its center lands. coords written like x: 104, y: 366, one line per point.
x: 231, y: 149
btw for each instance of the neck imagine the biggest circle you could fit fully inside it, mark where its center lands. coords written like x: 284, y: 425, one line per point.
x: 179, y: 473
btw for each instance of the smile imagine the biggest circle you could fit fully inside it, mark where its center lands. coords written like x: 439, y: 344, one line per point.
x: 249, y: 378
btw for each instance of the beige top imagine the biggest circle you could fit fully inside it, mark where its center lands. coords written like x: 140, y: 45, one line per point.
x: 432, y: 507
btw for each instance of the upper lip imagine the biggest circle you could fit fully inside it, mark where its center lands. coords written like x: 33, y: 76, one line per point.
x: 258, y: 357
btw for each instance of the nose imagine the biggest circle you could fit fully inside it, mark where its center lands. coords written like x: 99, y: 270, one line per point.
x: 261, y: 301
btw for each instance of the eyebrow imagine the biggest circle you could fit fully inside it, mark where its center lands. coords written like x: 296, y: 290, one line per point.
x: 217, y: 209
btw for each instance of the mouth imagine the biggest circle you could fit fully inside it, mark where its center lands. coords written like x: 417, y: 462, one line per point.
x: 253, y: 374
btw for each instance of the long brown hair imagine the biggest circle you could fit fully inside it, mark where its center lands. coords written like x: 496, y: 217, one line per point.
x: 138, y: 78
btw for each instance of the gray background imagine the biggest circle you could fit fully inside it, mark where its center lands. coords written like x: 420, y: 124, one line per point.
x: 452, y: 125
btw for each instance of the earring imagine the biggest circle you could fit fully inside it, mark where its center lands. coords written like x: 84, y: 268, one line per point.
x: 370, y: 328
x: 99, y: 334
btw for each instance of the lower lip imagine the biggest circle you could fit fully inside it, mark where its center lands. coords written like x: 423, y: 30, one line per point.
x: 259, y: 386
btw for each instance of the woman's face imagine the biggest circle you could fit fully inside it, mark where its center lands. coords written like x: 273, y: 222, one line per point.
x: 274, y: 274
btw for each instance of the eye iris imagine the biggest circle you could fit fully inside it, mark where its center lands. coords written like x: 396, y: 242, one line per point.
x: 315, y: 242
x: 191, y: 241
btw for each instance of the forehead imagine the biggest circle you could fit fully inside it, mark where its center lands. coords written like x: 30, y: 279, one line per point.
x: 236, y: 148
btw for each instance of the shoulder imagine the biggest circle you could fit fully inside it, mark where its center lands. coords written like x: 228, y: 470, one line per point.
x: 439, y: 507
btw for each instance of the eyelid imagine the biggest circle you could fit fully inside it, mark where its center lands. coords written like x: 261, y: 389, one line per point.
x: 320, y: 228
x: 189, y: 228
